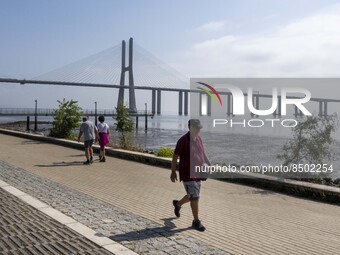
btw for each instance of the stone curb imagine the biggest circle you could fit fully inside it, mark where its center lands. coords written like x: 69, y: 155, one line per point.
x: 303, y: 189
x: 318, y: 192
x: 102, y: 241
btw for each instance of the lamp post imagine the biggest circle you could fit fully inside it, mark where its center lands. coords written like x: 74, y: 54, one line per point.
x: 36, y: 115
x: 146, y: 117
x: 95, y: 113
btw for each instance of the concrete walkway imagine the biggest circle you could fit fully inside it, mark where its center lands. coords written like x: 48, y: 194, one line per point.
x: 239, y: 219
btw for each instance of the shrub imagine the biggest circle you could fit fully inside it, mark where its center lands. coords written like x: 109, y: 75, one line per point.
x: 311, y: 143
x: 66, y: 119
x: 124, y: 126
x: 165, y: 152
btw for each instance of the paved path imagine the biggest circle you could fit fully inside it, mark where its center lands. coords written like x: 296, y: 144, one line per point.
x: 239, y: 219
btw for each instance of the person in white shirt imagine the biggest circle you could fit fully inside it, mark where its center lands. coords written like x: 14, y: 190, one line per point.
x: 103, y: 130
x: 90, y: 135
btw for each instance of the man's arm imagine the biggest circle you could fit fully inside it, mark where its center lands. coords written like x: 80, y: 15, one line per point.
x: 173, y: 175
x: 80, y: 134
x: 81, y: 131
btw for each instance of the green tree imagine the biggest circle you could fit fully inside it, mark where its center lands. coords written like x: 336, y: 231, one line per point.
x: 311, y: 142
x: 124, y: 126
x: 66, y: 119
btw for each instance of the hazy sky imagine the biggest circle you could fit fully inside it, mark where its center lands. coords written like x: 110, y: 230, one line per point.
x: 216, y: 38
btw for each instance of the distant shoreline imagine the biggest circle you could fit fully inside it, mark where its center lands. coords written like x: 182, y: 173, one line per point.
x: 22, y: 126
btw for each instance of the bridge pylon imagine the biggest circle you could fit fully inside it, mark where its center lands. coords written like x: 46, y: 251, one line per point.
x: 132, y: 97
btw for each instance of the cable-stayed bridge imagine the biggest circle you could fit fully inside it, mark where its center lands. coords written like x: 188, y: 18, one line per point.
x: 110, y: 69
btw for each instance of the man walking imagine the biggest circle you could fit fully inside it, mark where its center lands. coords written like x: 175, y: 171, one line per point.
x: 90, y: 134
x: 189, y: 146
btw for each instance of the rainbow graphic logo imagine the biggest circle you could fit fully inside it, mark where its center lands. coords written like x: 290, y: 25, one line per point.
x: 209, y: 92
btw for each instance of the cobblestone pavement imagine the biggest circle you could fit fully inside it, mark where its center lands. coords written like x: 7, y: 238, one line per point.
x: 137, y: 233
x: 25, y: 230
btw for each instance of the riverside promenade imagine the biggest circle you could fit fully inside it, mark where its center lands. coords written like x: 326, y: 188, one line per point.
x: 131, y: 203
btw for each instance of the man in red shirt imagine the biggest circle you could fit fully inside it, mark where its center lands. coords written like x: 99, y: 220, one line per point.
x: 189, y: 149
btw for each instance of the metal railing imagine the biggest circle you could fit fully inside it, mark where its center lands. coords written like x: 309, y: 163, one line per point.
x: 50, y: 112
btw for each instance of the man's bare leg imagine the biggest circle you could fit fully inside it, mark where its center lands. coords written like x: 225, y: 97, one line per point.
x: 87, y: 153
x: 91, y: 151
x: 183, y: 201
x: 194, y: 208
x: 196, y: 224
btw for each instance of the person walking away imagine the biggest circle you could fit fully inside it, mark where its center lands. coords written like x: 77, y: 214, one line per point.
x: 189, y: 145
x: 103, y: 130
x: 90, y: 135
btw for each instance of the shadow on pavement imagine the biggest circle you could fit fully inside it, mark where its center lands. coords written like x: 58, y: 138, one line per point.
x: 168, y: 229
x: 76, y: 155
x: 63, y: 163
x: 32, y: 142
x: 263, y: 192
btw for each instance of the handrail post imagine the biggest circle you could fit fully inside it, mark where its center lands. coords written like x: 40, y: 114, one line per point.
x: 28, y: 123
x: 146, y: 117
x: 36, y: 116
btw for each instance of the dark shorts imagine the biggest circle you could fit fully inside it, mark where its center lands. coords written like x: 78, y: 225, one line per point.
x: 193, y: 189
x: 88, y: 143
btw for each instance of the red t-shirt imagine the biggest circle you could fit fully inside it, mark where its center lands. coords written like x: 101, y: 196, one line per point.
x: 187, y: 152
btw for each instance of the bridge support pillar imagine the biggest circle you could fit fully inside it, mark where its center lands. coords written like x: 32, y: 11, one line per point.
x: 186, y: 102
x: 325, y: 113
x: 132, y: 97
x: 256, y: 104
x: 209, y: 106
x: 159, y: 103
x: 229, y: 105
x: 180, y: 103
x: 279, y: 106
x: 278, y: 110
x: 295, y: 111
x: 200, y: 104
x: 320, y: 108
x: 122, y: 77
x: 153, y: 102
